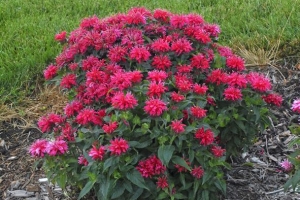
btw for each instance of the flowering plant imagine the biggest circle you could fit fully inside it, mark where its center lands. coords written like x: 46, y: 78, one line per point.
x: 292, y: 164
x: 154, y: 105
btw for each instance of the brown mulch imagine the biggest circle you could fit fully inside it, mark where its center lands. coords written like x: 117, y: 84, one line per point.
x: 256, y: 174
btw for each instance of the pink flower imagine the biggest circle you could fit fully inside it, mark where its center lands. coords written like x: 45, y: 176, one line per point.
x: 296, y: 106
x: 286, y: 165
x: 183, y: 83
x: 97, y: 153
x: 86, y: 116
x: 57, y: 147
x: 232, y: 94
x: 118, y: 146
x: 198, y: 112
x: 155, y: 107
x: 217, y: 151
x: 177, y: 97
x: 237, y: 80
x: 161, y: 62
x: 162, y: 182
x: 217, y: 76
x: 200, y: 89
x: 50, y: 72
x: 178, y: 21
x: 38, y: 148
x: 206, y: 137
x: 157, y: 75
x: 177, y: 126
x: 140, y: 54
x: 124, y: 101
x: 259, y: 82
x: 45, y: 123
x: 110, y: 128
x: 162, y: 15
x: 197, y: 172
x: 199, y: 61
x: 184, y: 68
x: 73, y: 108
x: 82, y: 160
x: 68, y: 81
x: 160, y: 45
x: 117, y: 53
x: 274, y: 99
x: 236, y: 63
x: 156, y: 89
x: 150, y: 167
x: 61, y: 37
x: 181, y: 46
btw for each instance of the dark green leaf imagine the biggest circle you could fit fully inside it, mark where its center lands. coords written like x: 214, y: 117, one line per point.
x: 180, y: 161
x: 87, y: 188
x: 118, y: 190
x: 137, y: 194
x: 179, y: 196
x: 165, y: 153
x: 205, y: 195
x: 136, y: 178
x: 62, y: 180
x: 162, y: 195
x: 109, y: 162
x: 221, y: 185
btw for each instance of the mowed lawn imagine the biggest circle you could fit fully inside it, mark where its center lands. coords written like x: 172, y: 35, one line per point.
x: 27, y: 29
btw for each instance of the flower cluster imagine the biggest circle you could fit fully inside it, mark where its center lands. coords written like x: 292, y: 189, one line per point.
x: 151, y: 96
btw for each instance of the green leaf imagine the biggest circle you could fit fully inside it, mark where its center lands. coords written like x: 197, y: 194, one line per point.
x: 221, y: 185
x: 136, y: 178
x: 87, y: 188
x: 206, y: 177
x: 62, y: 180
x: 179, y: 196
x: 109, y: 162
x: 128, y: 186
x: 205, y: 195
x: 162, y: 195
x: 118, y: 190
x: 105, y: 188
x: 165, y: 153
x: 180, y: 161
x: 137, y: 194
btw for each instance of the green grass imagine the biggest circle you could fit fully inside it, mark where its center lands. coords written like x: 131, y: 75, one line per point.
x: 27, y: 29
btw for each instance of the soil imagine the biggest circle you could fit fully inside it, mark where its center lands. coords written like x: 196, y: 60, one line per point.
x: 256, y: 174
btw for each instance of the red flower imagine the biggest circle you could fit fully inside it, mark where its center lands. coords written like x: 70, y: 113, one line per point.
x: 50, y: 72
x: 161, y: 62
x: 38, y: 148
x: 45, y: 123
x: 181, y: 46
x: 217, y: 151
x: 124, y: 101
x: 211, y: 101
x: 183, y: 83
x: 117, y: 53
x: 162, y: 182
x: 57, y: 147
x: 82, y: 160
x: 68, y: 132
x: 206, y: 137
x: 275, y: 99
x: 157, y: 75
x: 232, y: 94
x: 136, y: 76
x: 150, y: 167
x: 212, y: 29
x: 73, y: 108
x: 236, y: 63
x: 199, y: 61
x: 197, y: 172
x: 139, y: 54
x: 160, y: 45
x: 110, y: 128
x: 86, y: 116
x: 202, y: 36
x: 178, y: 21
x: 184, y: 68
x: 198, y: 89
x: 118, y: 146
x: 259, y: 82
x: 237, y: 80
x: 225, y: 51
x: 198, y: 112
x: 194, y: 19
x: 68, y: 81
x: 177, y: 97
x: 136, y: 18
x: 161, y: 14
x: 177, y: 126
x: 155, y: 107
x: 217, y: 76
x: 156, y: 89
x: 121, y: 80
x: 132, y: 37
x: 61, y: 37
x: 97, y: 153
